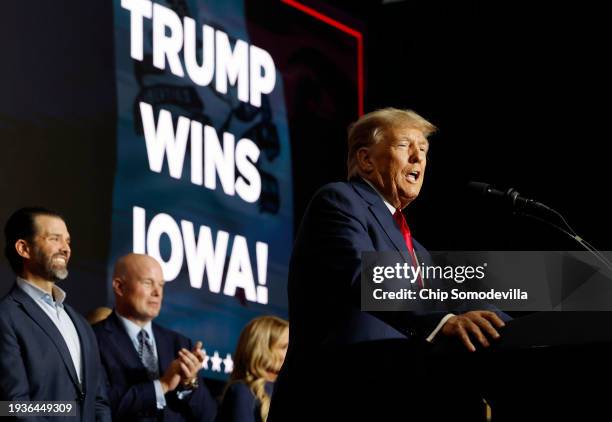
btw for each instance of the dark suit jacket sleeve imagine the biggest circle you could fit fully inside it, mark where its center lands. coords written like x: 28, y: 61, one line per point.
x: 14, y: 379
x: 132, y: 402
x: 239, y: 405
x: 95, y: 381
x: 103, y: 410
x: 200, y: 404
x: 127, y: 401
x: 339, y: 229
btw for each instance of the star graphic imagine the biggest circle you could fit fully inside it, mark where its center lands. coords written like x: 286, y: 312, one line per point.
x: 228, y: 363
x: 216, y: 362
x: 206, y: 359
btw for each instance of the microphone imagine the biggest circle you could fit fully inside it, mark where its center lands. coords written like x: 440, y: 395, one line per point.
x: 511, y: 196
x: 522, y: 206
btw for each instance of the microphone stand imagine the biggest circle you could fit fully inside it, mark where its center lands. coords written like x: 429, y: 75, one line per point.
x: 523, y: 207
x: 569, y: 232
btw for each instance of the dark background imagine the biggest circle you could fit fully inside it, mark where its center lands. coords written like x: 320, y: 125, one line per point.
x: 518, y: 91
x: 57, y: 129
x: 520, y: 95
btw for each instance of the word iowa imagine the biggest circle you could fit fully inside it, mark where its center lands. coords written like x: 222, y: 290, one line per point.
x: 208, y: 255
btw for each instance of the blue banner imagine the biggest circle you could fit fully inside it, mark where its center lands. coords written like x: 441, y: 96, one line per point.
x: 203, y: 180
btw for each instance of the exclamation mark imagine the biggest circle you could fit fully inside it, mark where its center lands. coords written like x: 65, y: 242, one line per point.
x: 261, y: 252
x: 138, y: 230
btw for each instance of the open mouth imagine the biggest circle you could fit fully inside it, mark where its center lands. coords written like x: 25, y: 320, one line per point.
x: 413, y: 176
x: 60, y: 259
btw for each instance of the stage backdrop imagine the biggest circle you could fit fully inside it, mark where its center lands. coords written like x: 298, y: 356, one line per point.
x: 193, y: 131
x: 203, y: 180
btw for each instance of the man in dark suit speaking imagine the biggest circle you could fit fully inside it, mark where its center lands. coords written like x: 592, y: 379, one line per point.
x: 152, y: 371
x: 333, y: 353
x: 48, y: 351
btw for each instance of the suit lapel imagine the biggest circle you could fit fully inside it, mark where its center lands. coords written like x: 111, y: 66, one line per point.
x: 84, y: 341
x: 39, y: 317
x: 165, y: 354
x: 384, y: 218
x: 122, y: 343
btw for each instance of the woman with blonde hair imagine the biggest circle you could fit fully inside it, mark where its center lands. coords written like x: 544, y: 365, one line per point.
x: 259, y: 355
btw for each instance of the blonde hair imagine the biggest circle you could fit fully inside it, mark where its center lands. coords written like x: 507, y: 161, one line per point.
x: 370, y: 129
x: 99, y: 314
x: 254, y: 356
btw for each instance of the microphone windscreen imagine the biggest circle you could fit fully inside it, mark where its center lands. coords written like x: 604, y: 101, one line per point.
x: 478, y: 187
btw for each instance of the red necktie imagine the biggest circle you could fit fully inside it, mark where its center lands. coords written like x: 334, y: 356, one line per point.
x: 399, y: 218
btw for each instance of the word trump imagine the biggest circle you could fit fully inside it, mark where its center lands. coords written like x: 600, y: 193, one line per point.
x: 248, y: 67
x: 204, y: 254
x: 209, y: 158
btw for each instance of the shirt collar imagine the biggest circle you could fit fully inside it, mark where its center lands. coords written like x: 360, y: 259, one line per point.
x: 133, y: 329
x: 389, y: 206
x: 36, y: 293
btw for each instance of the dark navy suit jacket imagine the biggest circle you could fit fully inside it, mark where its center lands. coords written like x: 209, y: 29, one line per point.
x: 131, y: 393
x: 342, y: 221
x: 338, y: 353
x: 35, y: 363
x: 240, y: 404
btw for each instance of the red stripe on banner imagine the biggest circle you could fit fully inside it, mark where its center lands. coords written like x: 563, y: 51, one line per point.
x: 344, y: 28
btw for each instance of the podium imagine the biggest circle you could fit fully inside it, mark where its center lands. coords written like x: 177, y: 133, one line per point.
x: 547, y: 366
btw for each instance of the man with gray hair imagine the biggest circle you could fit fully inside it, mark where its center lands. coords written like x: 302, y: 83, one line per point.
x: 330, y: 334
x: 48, y: 352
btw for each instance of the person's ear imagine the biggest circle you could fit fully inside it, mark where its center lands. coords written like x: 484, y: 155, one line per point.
x: 118, y: 286
x: 23, y: 249
x: 364, y: 160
